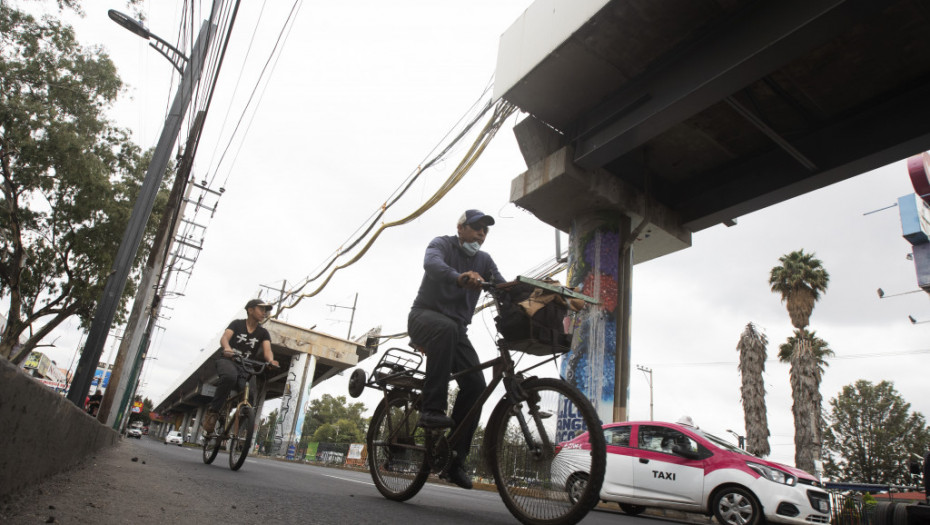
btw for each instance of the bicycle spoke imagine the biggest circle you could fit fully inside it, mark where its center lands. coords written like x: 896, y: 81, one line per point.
x: 527, y: 469
x: 396, y: 449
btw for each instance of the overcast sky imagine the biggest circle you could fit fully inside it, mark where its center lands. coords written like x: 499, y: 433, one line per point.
x: 360, y: 96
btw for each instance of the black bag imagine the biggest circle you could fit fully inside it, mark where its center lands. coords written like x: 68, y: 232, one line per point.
x: 540, y: 334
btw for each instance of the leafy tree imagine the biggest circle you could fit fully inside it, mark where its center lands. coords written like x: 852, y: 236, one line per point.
x: 806, y: 354
x: 342, y: 431
x: 266, y: 428
x: 752, y: 354
x: 800, y: 279
x: 329, y: 410
x: 872, y: 434
x: 68, y: 178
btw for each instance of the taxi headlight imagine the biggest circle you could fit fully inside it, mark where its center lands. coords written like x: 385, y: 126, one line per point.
x: 773, y: 474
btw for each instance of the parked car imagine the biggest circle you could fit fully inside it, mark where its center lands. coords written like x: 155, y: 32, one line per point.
x: 134, y: 432
x: 676, y: 466
x: 174, y: 437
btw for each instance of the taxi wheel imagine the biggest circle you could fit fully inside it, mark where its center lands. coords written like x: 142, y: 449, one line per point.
x: 737, y: 506
x: 575, y: 486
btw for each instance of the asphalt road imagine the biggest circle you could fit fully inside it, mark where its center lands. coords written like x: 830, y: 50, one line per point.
x: 144, y: 481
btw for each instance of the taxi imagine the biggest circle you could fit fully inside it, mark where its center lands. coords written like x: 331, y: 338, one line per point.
x: 678, y: 466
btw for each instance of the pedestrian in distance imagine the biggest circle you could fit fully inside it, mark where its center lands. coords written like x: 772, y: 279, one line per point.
x: 454, y: 270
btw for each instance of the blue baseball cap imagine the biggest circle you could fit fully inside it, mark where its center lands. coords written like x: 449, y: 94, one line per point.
x: 475, y: 216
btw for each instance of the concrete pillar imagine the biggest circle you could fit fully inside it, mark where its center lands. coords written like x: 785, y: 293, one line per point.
x: 287, y: 414
x: 598, y: 363
x: 198, y: 425
x: 185, y: 423
x: 304, y: 399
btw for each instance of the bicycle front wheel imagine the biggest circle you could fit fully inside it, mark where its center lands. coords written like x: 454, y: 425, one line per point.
x: 240, y: 439
x: 540, y: 485
x: 397, y: 448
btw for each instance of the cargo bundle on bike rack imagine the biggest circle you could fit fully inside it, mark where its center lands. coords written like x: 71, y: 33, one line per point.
x: 531, y: 315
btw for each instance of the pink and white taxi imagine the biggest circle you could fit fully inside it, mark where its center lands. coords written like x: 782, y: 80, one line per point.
x: 675, y: 466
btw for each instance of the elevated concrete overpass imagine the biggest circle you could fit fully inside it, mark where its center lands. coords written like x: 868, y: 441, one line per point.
x: 650, y: 120
x: 306, y: 358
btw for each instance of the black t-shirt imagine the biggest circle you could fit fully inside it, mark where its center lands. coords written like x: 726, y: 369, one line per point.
x: 248, y: 343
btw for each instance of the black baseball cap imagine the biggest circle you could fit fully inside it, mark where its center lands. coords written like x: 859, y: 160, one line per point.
x: 258, y: 302
x: 475, y: 216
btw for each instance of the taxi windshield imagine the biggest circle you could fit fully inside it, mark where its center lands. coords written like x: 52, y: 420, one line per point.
x: 726, y: 445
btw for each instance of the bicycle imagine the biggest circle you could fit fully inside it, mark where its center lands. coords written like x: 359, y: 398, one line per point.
x: 236, y: 421
x: 523, y: 436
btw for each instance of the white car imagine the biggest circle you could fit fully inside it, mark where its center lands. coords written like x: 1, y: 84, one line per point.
x: 134, y: 432
x: 675, y: 466
x: 174, y: 437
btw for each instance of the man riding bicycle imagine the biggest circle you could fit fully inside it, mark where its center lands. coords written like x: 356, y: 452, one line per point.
x: 455, y: 268
x: 249, y: 337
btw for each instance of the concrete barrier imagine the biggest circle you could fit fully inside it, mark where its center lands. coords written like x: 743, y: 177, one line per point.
x: 41, y: 432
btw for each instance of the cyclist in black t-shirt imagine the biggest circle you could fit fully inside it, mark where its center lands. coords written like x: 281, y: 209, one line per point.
x: 249, y: 337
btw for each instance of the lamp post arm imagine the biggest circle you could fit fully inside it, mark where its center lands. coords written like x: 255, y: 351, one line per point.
x: 176, y: 57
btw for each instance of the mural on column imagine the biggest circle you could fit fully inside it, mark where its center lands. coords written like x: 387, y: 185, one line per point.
x: 592, y: 267
x: 288, y: 412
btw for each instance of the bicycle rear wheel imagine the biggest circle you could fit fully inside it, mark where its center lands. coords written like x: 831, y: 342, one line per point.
x: 533, y: 479
x: 240, y: 439
x: 397, y: 448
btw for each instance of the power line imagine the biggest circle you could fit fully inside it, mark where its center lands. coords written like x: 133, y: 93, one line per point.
x: 776, y: 361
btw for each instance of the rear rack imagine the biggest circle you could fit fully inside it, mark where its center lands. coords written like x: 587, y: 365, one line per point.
x: 398, y: 369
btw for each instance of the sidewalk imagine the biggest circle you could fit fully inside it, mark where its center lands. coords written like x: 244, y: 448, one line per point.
x: 120, y: 484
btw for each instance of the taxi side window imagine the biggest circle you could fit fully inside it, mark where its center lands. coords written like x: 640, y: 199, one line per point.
x: 617, y: 437
x: 662, y: 439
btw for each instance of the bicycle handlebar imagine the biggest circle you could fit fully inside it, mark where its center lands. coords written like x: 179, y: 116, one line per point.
x: 252, y: 366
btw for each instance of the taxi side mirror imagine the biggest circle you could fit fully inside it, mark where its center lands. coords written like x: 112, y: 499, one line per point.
x: 684, y: 452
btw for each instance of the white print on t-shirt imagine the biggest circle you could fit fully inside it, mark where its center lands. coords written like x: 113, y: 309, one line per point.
x: 243, y: 338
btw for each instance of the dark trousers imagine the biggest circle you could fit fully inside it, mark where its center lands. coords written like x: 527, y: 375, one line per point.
x: 448, y: 350
x: 231, y: 376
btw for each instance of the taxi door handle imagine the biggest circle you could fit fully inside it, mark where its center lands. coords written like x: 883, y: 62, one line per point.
x: 643, y: 460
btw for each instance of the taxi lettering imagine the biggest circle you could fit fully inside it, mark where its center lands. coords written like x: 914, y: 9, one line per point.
x: 663, y: 475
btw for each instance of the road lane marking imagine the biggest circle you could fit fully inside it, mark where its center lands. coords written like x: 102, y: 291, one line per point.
x: 352, y: 480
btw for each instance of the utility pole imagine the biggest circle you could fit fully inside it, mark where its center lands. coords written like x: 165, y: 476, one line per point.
x: 648, y: 373
x: 352, y: 318
x: 142, y: 210
x: 148, y: 297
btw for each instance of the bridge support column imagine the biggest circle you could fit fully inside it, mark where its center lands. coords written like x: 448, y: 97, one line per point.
x: 599, y: 362
x: 293, y: 402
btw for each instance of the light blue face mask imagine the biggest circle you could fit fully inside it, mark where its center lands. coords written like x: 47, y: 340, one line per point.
x: 470, y: 248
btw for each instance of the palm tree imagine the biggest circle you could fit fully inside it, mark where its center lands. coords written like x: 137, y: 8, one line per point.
x: 752, y: 354
x: 806, y: 354
x: 800, y: 279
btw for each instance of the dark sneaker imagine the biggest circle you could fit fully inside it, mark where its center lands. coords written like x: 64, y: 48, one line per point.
x: 456, y: 474
x: 433, y: 419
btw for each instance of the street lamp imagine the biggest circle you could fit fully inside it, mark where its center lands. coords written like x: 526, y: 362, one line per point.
x: 176, y: 57
x: 142, y: 209
x: 648, y: 373
x: 882, y: 294
x: 739, y: 439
